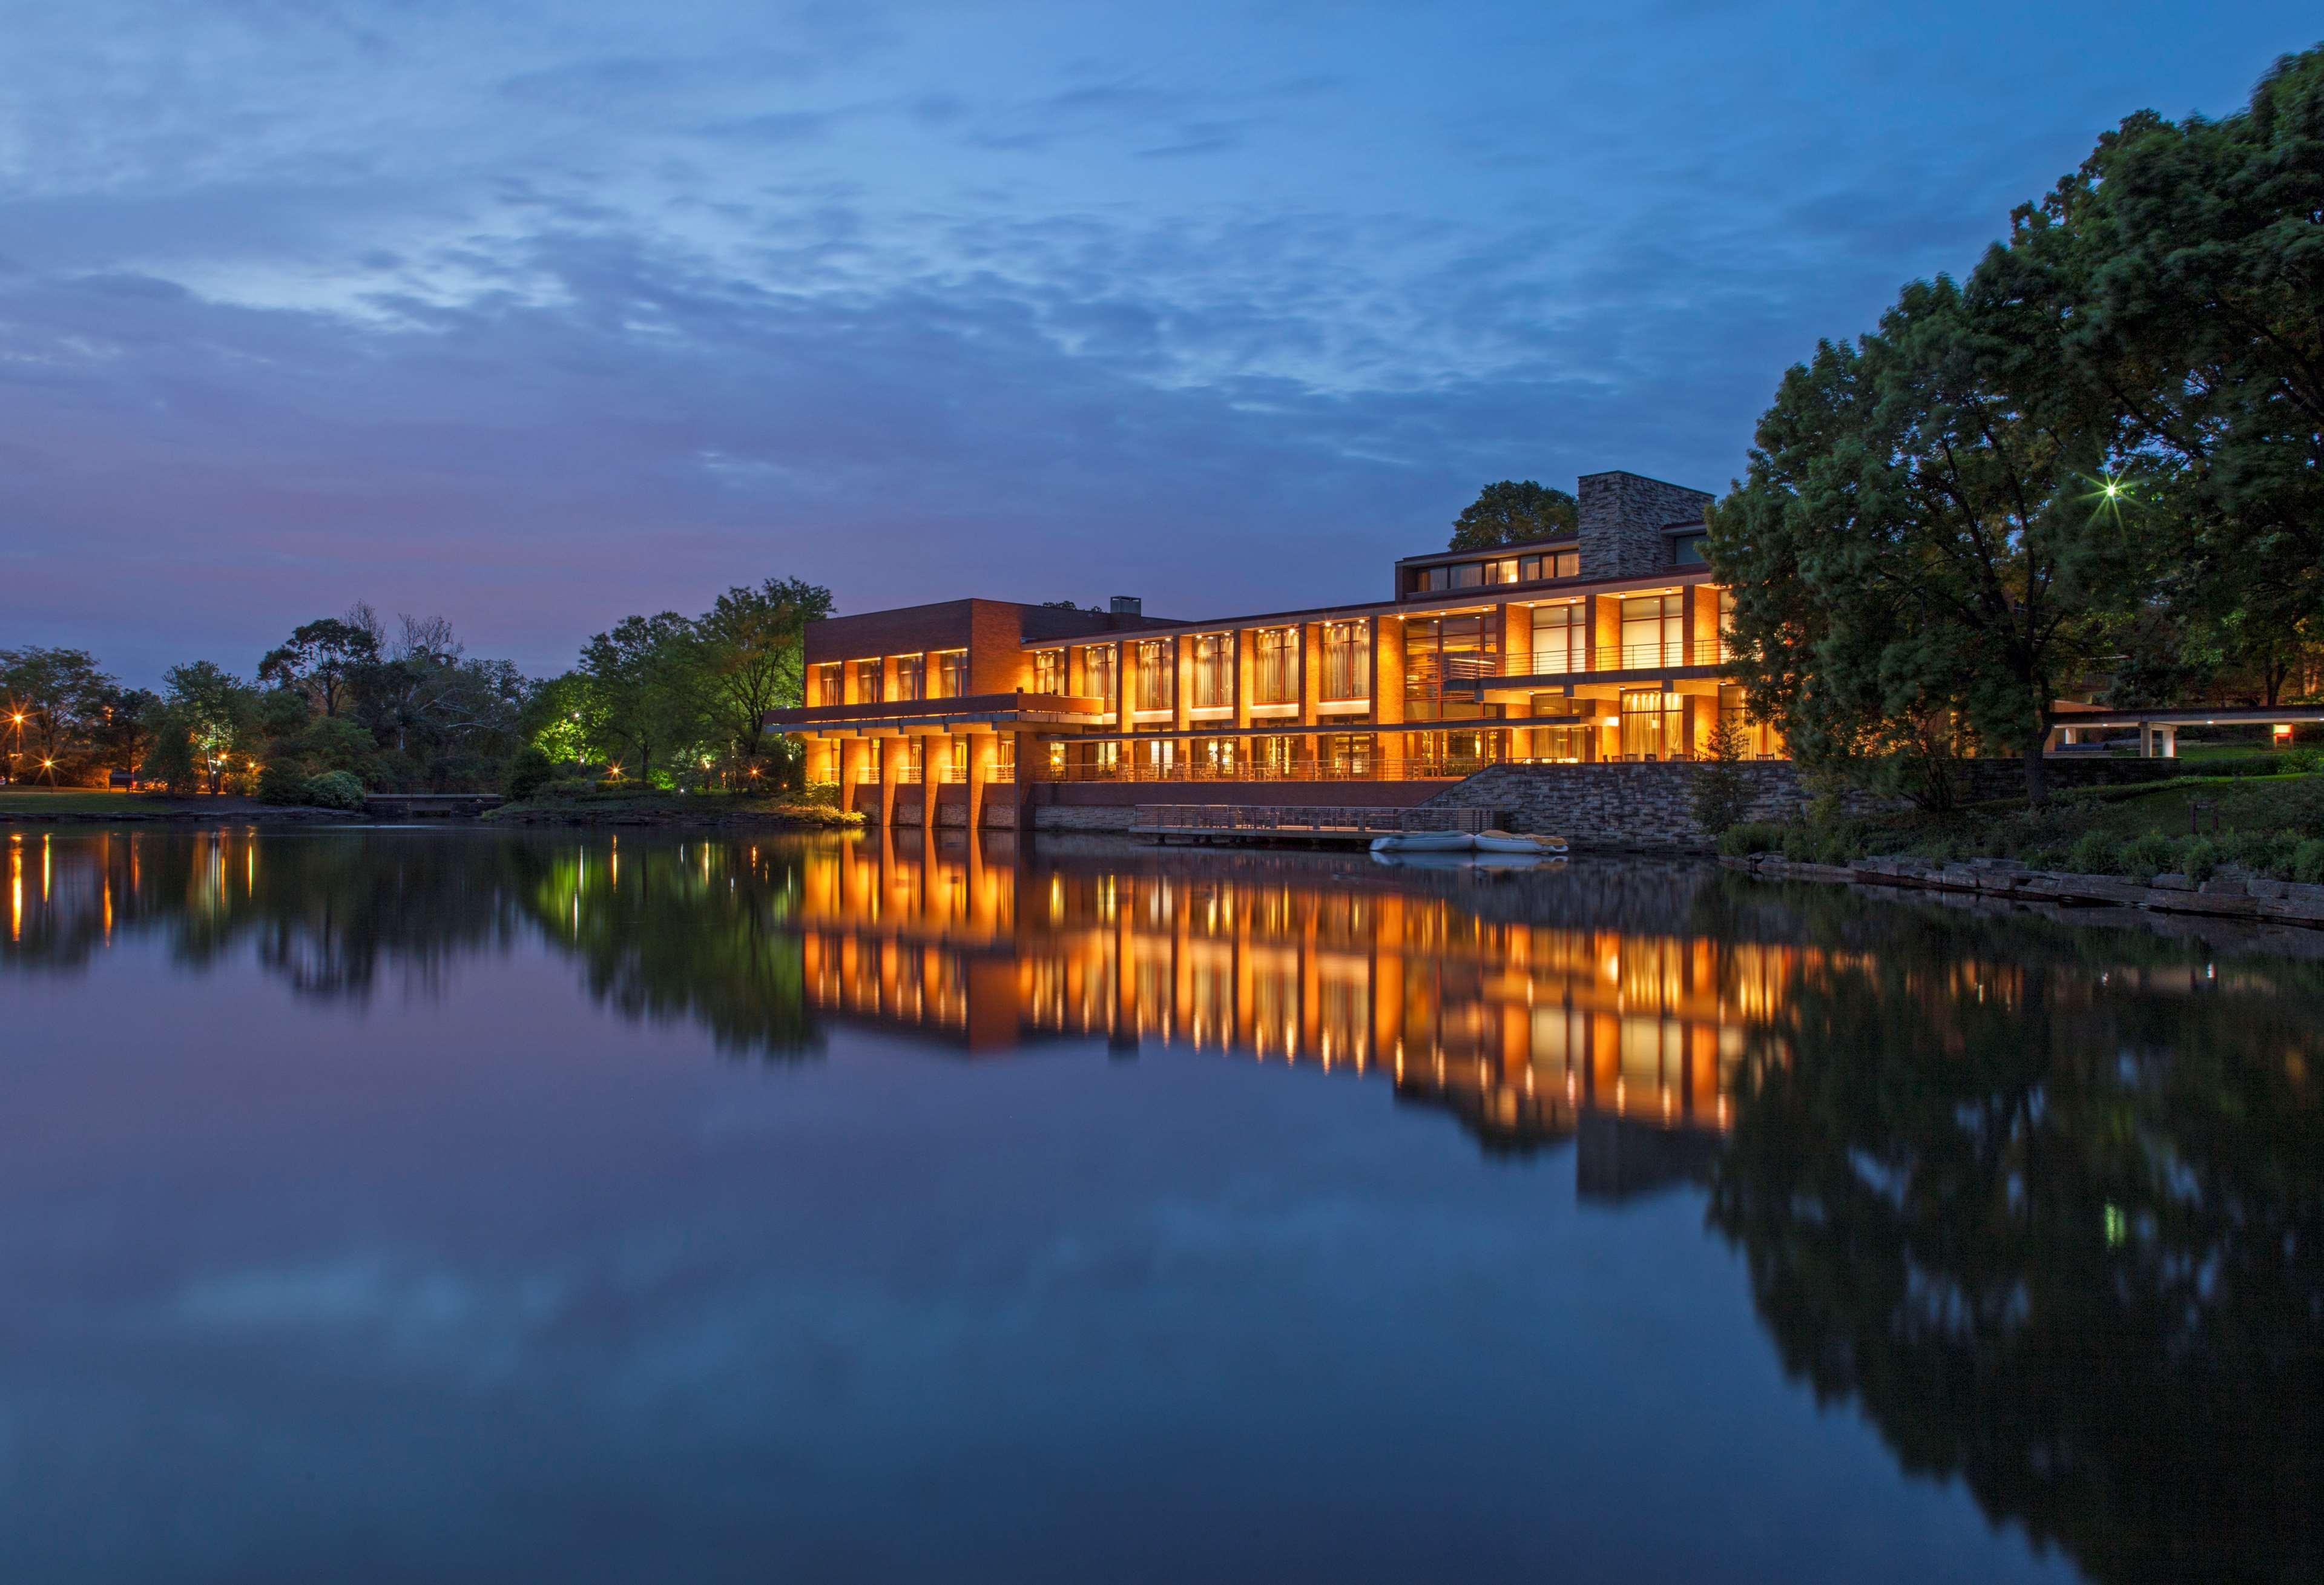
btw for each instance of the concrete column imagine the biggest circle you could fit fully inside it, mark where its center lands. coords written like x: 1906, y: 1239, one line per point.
x: 851, y: 770
x: 1387, y: 693
x: 1516, y: 639
x: 1182, y: 688
x: 984, y: 749
x: 1605, y: 633
x: 1246, y: 643
x: 1125, y: 680
x: 891, y: 771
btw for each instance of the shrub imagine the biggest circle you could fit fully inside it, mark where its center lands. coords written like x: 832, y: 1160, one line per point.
x: 2146, y: 856
x: 282, y: 782
x: 2198, y: 857
x: 1752, y: 836
x: 336, y: 790
x: 528, y: 772
x: 2308, y: 862
x: 2095, y: 853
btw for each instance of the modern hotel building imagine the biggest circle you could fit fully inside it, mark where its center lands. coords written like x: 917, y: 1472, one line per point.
x: 1601, y: 646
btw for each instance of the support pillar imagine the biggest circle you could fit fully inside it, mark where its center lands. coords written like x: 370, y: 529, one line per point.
x: 892, y: 770
x: 933, y: 753
x: 851, y: 770
x: 984, y: 751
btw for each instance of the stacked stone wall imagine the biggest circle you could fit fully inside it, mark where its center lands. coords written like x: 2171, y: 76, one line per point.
x: 1652, y: 806
x: 1622, y: 517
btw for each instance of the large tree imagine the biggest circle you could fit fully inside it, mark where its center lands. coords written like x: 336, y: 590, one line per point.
x: 1512, y: 513
x: 51, y: 698
x: 751, y: 655
x: 319, y: 658
x: 645, y: 703
x: 1924, y: 546
x: 2184, y: 265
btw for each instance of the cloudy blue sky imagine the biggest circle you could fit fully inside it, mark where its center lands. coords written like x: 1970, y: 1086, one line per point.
x: 537, y: 315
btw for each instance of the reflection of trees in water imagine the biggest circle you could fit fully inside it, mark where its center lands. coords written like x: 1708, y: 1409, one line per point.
x: 682, y: 931
x: 2061, y: 1238
x: 671, y: 932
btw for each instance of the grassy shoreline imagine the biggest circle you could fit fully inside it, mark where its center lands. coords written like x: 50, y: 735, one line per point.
x: 677, y: 810
x: 2196, y: 827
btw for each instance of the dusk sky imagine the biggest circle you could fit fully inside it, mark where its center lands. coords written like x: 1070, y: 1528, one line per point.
x: 536, y: 316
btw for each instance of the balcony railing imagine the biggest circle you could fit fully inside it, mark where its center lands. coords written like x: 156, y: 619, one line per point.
x: 1472, y: 669
x: 1414, y: 768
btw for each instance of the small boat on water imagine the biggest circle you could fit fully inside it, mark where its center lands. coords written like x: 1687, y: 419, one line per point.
x: 1425, y: 842
x: 1523, y: 843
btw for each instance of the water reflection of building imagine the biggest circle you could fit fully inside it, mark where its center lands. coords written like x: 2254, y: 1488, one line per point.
x: 1528, y: 1033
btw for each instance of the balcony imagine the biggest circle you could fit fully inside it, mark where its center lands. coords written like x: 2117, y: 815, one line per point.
x: 1656, y: 658
x: 898, y: 713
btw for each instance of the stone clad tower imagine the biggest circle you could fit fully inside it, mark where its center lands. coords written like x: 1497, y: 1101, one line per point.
x: 1623, y: 516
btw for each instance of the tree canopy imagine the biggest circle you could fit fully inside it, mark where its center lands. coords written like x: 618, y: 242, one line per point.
x: 2101, y: 452
x: 1511, y: 512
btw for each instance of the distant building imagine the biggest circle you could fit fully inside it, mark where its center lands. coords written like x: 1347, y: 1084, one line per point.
x: 1604, y: 646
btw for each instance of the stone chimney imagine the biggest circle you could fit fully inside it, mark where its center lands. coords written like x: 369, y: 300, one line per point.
x: 1129, y: 605
x: 1623, y: 516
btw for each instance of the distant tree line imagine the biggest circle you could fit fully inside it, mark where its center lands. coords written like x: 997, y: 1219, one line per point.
x: 2096, y: 465
x: 662, y: 700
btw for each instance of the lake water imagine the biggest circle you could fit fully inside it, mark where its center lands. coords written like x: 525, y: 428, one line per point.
x: 447, y: 1205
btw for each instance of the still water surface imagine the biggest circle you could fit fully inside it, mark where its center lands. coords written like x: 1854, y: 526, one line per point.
x: 389, y: 1205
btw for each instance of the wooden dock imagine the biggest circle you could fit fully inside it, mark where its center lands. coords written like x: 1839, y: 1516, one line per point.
x: 1260, y: 823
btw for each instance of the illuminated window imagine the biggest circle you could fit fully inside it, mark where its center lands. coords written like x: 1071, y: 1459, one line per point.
x: 1049, y: 671
x: 1097, y: 675
x: 830, y: 683
x: 1561, y: 639
x: 1654, y: 724
x: 868, y: 686
x: 1156, y: 682
x: 910, y: 672
x: 1214, y: 670
x: 1654, y: 630
x: 1347, y: 660
x: 950, y: 678
x: 1275, y: 667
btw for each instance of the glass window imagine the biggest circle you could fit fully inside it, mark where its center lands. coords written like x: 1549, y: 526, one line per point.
x: 830, y: 685
x: 1726, y: 624
x: 1049, y: 671
x: 910, y: 669
x: 1528, y: 569
x: 1654, y: 725
x: 1214, y: 670
x: 867, y: 688
x: 1654, y: 630
x: 1097, y: 675
x: 1155, y: 687
x: 951, y: 678
x: 1689, y: 552
x: 1441, y: 652
x: 1347, y: 660
x: 1561, y: 639
x: 1468, y: 575
x: 1275, y: 666
x: 1569, y: 565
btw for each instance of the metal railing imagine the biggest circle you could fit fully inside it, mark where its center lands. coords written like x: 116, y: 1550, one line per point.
x: 1470, y: 668
x: 1413, y: 768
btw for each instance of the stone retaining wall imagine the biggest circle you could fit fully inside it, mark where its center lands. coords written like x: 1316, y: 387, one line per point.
x: 1652, y: 806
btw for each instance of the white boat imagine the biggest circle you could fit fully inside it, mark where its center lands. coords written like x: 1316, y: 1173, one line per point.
x: 1425, y: 842
x: 1521, y: 843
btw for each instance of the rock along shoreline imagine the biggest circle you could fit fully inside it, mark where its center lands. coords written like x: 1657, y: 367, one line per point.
x: 2225, y: 896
